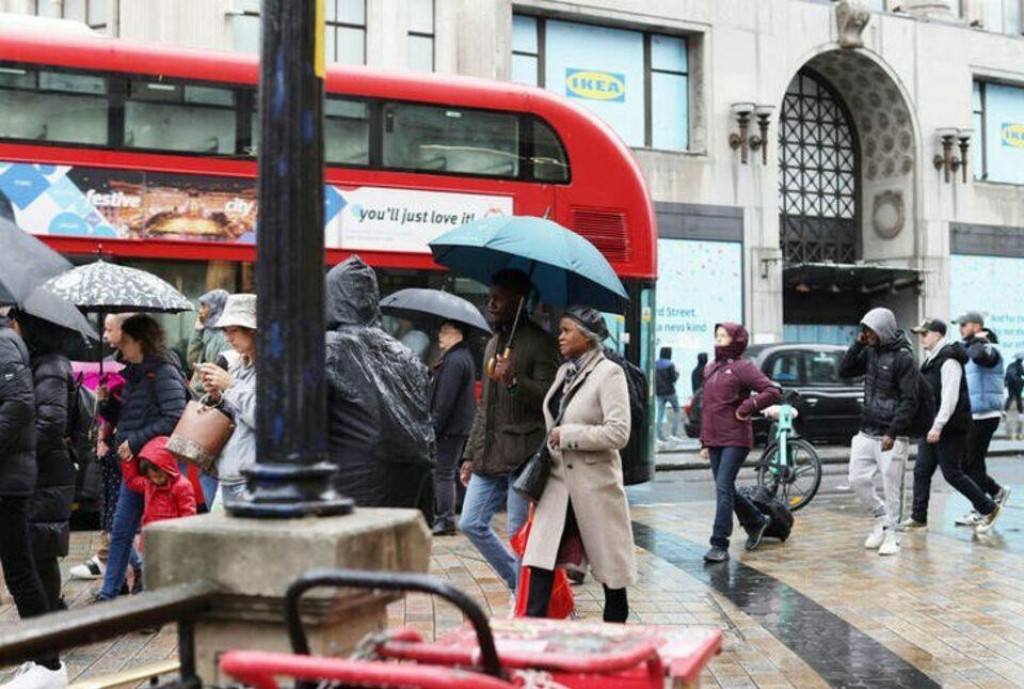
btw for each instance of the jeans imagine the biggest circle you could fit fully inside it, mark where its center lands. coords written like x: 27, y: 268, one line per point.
x: 978, y: 439
x: 127, y: 519
x: 19, y: 568
x: 208, y: 484
x: 867, y: 460
x: 671, y: 401
x: 484, y: 497
x: 725, y: 466
x: 948, y: 454
x: 449, y: 450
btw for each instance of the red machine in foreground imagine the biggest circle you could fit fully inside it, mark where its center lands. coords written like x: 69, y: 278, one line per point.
x: 545, y: 654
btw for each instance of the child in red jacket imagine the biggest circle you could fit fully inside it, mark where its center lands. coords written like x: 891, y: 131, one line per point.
x: 169, y: 495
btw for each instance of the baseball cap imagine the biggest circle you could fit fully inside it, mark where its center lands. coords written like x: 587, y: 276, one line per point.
x: 971, y: 317
x: 930, y: 325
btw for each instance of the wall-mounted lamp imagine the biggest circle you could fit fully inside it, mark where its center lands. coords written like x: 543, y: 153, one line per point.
x: 767, y: 263
x: 947, y: 161
x: 742, y: 139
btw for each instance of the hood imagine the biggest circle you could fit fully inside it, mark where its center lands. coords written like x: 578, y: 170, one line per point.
x: 215, y: 299
x: 740, y: 338
x: 353, y: 297
x: 156, y: 452
x: 883, y: 322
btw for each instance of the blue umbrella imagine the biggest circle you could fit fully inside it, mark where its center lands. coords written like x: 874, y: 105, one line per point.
x: 564, y: 267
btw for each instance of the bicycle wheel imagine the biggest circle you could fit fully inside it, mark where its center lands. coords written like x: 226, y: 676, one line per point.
x: 799, y: 481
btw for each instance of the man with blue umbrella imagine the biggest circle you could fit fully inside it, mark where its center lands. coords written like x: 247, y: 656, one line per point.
x: 509, y: 424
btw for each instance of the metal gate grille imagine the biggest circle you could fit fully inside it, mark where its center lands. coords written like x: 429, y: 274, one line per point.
x: 818, y: 175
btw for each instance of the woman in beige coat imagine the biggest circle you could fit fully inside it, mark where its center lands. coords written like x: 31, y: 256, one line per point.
x: 584, y: 500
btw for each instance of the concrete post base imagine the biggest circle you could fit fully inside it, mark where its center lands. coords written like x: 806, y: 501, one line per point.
x: 254, y: 560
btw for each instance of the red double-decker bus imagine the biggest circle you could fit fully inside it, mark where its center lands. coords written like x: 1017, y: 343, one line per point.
x: 147, y: 154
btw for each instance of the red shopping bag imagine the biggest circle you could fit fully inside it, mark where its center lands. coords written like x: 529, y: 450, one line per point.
x: 562, y: 603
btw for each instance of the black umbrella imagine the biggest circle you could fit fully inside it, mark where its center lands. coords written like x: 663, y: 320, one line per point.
x: 435, y: 303
x: 57, y: 311
x: 110, y: 288
x: 25, y: 263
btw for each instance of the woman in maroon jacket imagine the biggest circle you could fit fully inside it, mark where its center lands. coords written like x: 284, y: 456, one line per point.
x: 726, y: 433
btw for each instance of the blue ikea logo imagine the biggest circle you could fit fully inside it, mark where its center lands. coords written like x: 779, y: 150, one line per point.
x: 593, y: 85
x: 1013, y: 135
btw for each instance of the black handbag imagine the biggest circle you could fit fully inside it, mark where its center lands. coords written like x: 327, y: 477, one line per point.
x: 533, y: 477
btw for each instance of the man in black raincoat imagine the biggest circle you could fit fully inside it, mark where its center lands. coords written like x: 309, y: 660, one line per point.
x: 379, y: 429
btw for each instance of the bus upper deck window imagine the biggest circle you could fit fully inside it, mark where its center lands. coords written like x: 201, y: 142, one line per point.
x: 53, y: 106
x: 548, y: 156
x: 346, y: 132
x: 176, y: 117
x: 439, y: 139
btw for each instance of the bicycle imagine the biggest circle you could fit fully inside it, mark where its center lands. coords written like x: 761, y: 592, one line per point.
x: 789, y: 463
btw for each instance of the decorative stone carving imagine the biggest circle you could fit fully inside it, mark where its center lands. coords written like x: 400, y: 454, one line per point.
x: 889, y: 214
x: 851, y: 18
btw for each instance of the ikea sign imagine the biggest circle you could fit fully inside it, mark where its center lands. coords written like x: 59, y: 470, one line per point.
x: 594, y: 85
x: 1013, y: 135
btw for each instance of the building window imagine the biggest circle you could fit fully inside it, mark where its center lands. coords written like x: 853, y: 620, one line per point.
x: 637, y: 82
x: 421, y: 35
x: 999, y: 132
x: 92, y: 13
x: 1003, y: 16
x: 344, y: 30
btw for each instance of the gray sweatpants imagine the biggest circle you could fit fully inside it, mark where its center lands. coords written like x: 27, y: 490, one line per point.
x: 866, y: 461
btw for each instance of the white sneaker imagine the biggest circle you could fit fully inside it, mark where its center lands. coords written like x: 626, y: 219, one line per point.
x: 911, y: 524
x: 988, y: 521
x: 890, y: 543
x: 877, y: 535
x: 33, y: 676
x: 1002, y: 496
x: 969, y: 519
x: 93, y: 568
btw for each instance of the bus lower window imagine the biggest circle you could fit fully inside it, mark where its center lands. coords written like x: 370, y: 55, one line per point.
x: 177, y: 118
x: 51, y: 106
x: 438, y: 139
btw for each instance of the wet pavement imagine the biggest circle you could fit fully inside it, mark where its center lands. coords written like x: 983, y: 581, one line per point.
x: 816, y: 611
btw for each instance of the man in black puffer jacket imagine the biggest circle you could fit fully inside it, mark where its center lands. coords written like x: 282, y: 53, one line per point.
x: 49, y: 510
x: 17, y: 483
x: 946, y: 443
x: 882, y: 354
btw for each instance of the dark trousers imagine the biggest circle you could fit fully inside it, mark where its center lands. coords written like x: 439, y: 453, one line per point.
x: 49, y: 575
x: 1014, y: 399
x: 947, y: 454
x: 412, y: 485
x: 978, y: 439
x: 449, y: 452
x: 725, y: 466
x: 542, y: 583
x: 19, y: 567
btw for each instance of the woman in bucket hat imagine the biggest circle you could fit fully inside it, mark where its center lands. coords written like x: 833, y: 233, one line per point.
x: 235, y: 389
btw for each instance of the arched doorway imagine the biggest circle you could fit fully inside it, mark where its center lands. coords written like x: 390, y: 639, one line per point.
x: 819, y: 185
x: 846, y: 188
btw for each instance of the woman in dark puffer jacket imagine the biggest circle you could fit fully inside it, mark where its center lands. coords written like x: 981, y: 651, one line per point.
x: 153, y: 401
x: 49, y: 509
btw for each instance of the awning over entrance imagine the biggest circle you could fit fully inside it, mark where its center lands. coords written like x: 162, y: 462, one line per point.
x: 838, y: 278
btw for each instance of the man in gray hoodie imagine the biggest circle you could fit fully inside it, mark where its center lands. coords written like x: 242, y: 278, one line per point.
x: 882, y: 354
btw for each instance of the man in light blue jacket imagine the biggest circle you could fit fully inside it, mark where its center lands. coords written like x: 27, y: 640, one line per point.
x: 985, y: 372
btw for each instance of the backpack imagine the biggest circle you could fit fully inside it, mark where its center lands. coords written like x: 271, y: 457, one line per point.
x: 926, y: 410
x: 771, y: 506
x: 636, y: 382
x: 81, y: 420
x: 636, y: 467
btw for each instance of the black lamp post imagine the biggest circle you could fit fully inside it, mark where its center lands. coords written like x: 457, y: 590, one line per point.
x: 292, y: 477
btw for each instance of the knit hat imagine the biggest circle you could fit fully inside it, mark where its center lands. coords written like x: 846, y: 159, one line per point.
x: 590, y: 318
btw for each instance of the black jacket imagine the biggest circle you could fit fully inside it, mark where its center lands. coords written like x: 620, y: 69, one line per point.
x: 378, y: 412
x: 153, y: 401
x: 931, y: 369
x: 50, y: 506
x: 665, y: 378
x: 17, y: 417
x: 890, y: 385
x: 452, y: 398
x: 1015, y: 376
